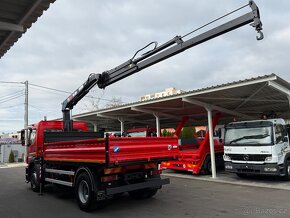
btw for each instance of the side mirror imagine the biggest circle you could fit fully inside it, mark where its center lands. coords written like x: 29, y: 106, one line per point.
x: 22, y: 137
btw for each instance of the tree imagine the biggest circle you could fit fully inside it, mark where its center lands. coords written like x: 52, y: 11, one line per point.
x: 187, y: 133
x: 11, y: 157
x: 165, y: 132
x: 114, y: 102
x: 95, y: 101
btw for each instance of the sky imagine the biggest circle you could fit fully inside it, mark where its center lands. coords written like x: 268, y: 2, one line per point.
x: 73, y: 39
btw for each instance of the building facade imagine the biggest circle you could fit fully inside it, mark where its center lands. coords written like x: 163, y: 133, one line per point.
x: 167, y: 92
x: 8, y: 143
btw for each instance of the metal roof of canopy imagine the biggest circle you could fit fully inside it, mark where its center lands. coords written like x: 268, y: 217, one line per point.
x: 16, y: 16
x: 244, y: 99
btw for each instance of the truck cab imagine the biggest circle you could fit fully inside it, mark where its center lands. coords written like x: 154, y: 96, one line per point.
x: 257, y: 147
x: 36, y: 135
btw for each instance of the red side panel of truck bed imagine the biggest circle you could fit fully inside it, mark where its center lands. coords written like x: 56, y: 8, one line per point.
x: 121, y: 150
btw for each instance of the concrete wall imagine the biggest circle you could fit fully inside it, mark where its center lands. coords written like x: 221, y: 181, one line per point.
x: 5, y: 150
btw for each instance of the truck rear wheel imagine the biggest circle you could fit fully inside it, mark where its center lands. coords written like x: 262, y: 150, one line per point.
x: 84, y: 193
x: 34, y: 179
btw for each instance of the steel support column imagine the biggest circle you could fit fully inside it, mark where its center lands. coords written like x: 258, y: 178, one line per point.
x: 157, y: 124
x: 211, y: 143
x: 121, y: 120
x: 95, y: 127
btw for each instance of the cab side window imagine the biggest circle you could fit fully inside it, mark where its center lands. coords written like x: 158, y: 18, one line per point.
x: 32, y: 136
x: 279, y: 133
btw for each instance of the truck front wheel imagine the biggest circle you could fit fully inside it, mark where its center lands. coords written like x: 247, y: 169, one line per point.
x: 287, y: 171
x: 84, y: 193
x: 34, y: 179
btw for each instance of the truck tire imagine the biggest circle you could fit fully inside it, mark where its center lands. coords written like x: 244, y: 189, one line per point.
x: 287, y: 171
x: 207, y: 166
x: 34, y: 179
x: 84, y: 193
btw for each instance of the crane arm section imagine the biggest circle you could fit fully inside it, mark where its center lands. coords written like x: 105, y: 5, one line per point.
x: 158, y: 54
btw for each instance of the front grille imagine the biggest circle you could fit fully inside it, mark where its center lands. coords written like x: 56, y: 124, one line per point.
x: 249, y: 157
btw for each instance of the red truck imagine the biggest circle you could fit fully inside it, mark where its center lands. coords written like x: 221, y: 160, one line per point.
x: 194, y: 155
x: 98, y: 167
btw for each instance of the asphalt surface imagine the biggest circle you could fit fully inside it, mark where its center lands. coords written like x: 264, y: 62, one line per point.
x: 274, y: 182
x: 184, y: 197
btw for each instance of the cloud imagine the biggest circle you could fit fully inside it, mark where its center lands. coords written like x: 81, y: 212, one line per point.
x: 73, y: 39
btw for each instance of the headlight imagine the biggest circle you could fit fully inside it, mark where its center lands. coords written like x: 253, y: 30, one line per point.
x: 227, y: 158
x: 267, y: 159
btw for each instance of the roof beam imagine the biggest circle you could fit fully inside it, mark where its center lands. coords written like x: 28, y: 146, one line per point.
x: 281, y: 89
x: 242, y: 99
x: 11, y: 27
x: 214, y: 107
x: 251, y: 96
x: 267, y: 107
x: 125, y: 119
x: 162, y: 108
x: 155, y: 112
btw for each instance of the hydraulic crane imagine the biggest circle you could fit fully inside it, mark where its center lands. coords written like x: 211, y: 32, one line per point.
x: 158, y: 54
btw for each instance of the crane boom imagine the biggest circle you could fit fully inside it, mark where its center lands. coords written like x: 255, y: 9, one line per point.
x: 158, y: 54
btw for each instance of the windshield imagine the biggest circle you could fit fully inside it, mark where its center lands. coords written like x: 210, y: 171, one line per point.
x: 254, y: 135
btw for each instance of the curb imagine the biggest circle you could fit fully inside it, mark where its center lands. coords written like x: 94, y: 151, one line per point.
x: 223, y: 181
x: 12, y: 165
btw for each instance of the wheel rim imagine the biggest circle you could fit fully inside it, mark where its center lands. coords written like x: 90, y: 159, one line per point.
x: 288, y: 170
x: 83, y: 191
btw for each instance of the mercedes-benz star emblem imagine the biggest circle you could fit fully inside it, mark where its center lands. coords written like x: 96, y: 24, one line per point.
x: 246, y: 157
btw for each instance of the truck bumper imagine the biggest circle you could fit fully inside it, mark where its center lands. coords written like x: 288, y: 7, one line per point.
x: 257, y: 169
x: 152, y: 183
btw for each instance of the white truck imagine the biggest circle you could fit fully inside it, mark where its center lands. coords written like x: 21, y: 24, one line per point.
x: 257, y: 147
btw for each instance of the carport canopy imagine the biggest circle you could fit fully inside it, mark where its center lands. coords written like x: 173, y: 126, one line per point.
x: 16, y: 17
x: 242, y: 100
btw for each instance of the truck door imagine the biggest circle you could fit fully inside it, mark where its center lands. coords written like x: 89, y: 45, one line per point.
x: 280, y: 142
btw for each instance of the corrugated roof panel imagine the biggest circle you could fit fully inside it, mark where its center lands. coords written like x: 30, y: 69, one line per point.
x: 22, y: 12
